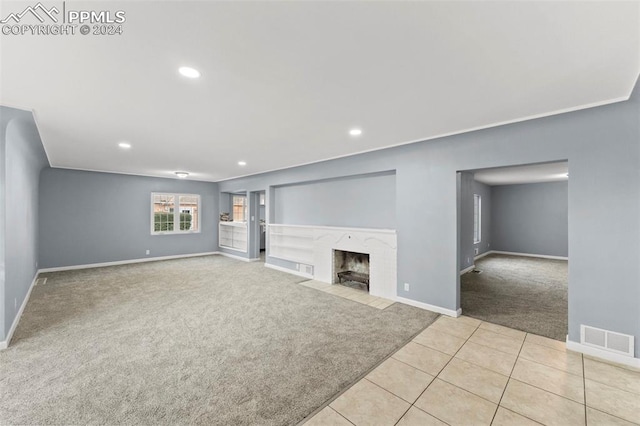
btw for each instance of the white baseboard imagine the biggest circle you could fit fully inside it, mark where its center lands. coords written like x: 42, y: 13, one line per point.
x: 428, y: 307
x: 480, y: 256
x: 233, y: 256
x: 543, y: 256
x: 124, y: 262
x: 290, y: 271
x: 4, y: 344
x: 605, y: 355
x: 465, y: 270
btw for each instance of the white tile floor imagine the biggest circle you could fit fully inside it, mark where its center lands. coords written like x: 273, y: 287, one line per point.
x: 359, y: 296
x: 466, y: 372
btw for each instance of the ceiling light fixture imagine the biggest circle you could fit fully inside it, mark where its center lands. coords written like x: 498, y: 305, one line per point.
x: 355, y: 132
x: 124, y: 145
x: 189, y: 72
x: 182, y: 175
x: 242, y: 163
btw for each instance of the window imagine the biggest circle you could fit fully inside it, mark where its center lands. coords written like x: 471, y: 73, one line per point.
x: 477, y: 218
x: 175, y: 213
x: 239, y: 208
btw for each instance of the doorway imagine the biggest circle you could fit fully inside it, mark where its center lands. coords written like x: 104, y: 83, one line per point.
x: 513, y: 246
x: 257, y: 227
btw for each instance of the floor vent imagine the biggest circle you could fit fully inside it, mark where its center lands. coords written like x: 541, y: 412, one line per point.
x: 41, y: 281
x: 476, y: 271
x: 607, y: 340
x: 307, y: 269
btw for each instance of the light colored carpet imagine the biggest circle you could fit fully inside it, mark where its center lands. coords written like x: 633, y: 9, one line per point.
x: 205, y: 340
x: 525, y: 293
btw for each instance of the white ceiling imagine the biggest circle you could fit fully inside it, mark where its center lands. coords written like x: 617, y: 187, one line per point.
x: 531, y: 173
x: 283, y: 82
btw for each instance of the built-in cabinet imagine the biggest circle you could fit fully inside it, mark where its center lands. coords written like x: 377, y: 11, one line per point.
x: 233, y: 235
x: 291, y: 242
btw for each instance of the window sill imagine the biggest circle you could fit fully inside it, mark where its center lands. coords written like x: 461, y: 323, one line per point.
x: 175, y: 233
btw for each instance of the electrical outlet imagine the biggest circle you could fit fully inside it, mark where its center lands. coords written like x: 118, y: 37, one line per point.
x: 476, y: 250
x: 15, y: 303
x: 297, y: 266
x: 406, y: 286
x: 468, y: 260
x: 148, y: 251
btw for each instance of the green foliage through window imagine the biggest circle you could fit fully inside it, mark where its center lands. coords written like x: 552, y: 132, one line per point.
x: 164, y: 222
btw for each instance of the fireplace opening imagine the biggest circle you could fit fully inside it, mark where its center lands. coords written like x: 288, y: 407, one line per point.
x: 351, y: 269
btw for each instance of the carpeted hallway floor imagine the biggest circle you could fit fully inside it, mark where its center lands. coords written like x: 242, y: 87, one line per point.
x: 525, y: 293
x: 205, y: 340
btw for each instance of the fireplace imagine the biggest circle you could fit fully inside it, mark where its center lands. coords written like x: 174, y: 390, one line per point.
x: 351, y: 269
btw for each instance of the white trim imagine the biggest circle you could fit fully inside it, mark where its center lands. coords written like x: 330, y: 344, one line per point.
x: 480, y: 256
x: 469, y: 269
x: 443, y: 135
x: 543, y: 256
x: 605, y: 355
x: 428, y: 307
x: 4, y: 344
x: 124, y: 262
x: 289, y: 271
x: 336, y: 228
x: 233, y: 256
x: 176, y: 214
x: 231, y: 248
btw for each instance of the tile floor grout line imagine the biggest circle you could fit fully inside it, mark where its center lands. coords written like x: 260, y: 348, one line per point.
x: 491, y: 347
x: 502, y: 334
x: 341, y: 392
x: 338, y: 413
x: 441, y: 370
x: 508, y: 379
x: 551, y: 366
x: 547, y: 391
x: 387, y: 390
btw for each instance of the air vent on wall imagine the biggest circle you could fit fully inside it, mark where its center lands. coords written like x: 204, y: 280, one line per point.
x: 307, y: 269
x: 611, y: 341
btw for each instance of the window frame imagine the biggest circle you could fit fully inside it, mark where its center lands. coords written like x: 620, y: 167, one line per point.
x: 477, y: 218
x: 176, y: 214
x: 245, y: 208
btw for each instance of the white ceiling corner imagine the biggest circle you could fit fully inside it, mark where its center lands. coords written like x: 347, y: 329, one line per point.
x: 283, y: 82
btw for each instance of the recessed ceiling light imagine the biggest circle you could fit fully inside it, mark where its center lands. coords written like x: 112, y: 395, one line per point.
x: 355, y: 132
x: 242, y: 163
x: 189, y: 72
x: 182, y: 175
x: 124, y: 145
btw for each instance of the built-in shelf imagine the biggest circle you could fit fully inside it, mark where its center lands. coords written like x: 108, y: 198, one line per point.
x: 291, y: 242
x: 233, y: 235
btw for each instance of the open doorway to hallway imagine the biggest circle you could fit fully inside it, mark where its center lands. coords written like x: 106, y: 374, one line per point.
x: 258, y: 225
x: 513, y: 246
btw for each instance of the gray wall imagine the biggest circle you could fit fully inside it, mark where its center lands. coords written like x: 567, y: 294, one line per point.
x: 90, y: 217
x: 358, y: 201
x: 601, y: 145
x: 469, y: 187
x: 23, y: 158
x: 531, y: 218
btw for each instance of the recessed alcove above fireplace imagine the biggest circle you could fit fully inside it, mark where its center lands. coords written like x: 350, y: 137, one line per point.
x: 351, y: 269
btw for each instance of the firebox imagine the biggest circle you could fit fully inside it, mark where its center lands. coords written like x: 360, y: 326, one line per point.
x: 351, y: 269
